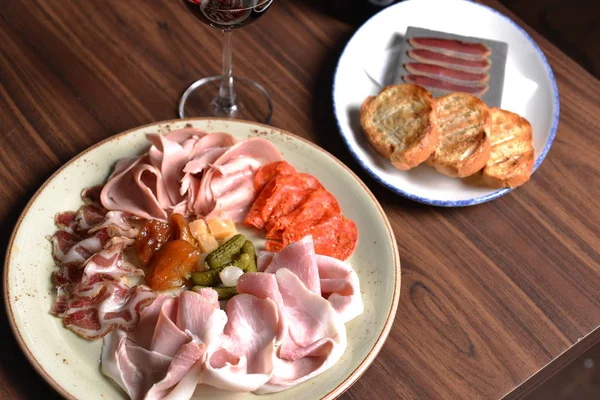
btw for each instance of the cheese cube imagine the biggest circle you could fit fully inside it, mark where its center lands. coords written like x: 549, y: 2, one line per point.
x: 220, y: 228
x: 207, y: 242
x: 198, y: 228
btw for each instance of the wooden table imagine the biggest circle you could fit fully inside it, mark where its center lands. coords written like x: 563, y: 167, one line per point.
x: 495, y: 298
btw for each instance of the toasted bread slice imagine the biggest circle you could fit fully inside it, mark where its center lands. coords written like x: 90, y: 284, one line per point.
x: 511, y: 159
x: 400, y: 124
x: 463, y: 124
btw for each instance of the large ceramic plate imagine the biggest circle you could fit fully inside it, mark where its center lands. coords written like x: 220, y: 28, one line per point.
x: 529, y: 90
x: 71, y: 364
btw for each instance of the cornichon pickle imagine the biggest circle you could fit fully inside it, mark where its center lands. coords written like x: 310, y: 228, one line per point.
x: 206, y: 278
x: 224, y: 292
x: 248, y: 248
x: 211, y: 277
x: 224, y: 254
x: 242, y: 262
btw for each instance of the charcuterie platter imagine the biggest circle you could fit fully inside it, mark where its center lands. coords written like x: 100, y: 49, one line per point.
x: 174, y: 261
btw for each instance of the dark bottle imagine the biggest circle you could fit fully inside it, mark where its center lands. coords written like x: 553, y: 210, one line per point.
x: 227, y: 14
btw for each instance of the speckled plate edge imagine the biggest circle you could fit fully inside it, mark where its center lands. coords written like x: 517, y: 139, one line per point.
x: 476, y: 200
x: 338, y: 390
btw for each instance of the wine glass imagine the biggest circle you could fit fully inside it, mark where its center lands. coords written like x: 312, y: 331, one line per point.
x: 227, y: 95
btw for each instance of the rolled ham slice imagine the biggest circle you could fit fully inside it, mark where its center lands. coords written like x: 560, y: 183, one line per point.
x: 443, y: 60
x: 454, y: 48
x: 438, y: 84
x: 447, y: 74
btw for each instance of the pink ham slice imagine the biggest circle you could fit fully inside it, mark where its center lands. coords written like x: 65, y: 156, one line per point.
x: 435, y: 58
x: 299, y: 258
x: 168, y: 361
x: 312, y: 334
x: 243, y: 360
x: 447, y: 74
x: 454, y: 48
x: 316, y: 336
x: 189, y: 172
x: 341, y: 287
x: 185, y: 340
x: 338, y: 282
x: 437, y: 84
x: 227, y: 187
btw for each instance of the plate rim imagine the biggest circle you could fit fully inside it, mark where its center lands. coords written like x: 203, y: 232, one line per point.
x: 453, y: 203
x: 335, y: 392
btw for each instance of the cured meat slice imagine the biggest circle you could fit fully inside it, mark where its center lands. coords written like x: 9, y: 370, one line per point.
x: 91, y: 195
x: 316, y: 339
x: 318, y: 203
x: 102, y: 307
x: 168, y: 360
x: 338, y: 281
x: 244, y: 358
x: 279, y: 197
x: 447, y: 74
x: 341, y: 287
x: 233, y: 170
x: 189, y: 172
x: 190, y: 341
x: 69, y: 249
x: 437, y: 84
x: 455, y: 48
x: 298, y: 257
x: 93, y: 296
x: 334, y: 235
x: 443, y: 60
x: 264, y: 286
x: 266, y: 173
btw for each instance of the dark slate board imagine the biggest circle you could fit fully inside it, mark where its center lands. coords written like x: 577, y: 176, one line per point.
x: 499, y: 50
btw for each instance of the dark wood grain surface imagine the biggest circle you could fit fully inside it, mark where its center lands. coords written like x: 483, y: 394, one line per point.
x: 491, y: 294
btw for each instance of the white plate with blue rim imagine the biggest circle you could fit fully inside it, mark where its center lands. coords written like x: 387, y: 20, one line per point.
x: 363, y: 68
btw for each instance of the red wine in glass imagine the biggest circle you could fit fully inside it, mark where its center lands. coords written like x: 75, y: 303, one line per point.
x: 227, y: 95
x: 227, y: 14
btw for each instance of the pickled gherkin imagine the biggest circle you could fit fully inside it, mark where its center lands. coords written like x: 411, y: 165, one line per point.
x: 224, y: 254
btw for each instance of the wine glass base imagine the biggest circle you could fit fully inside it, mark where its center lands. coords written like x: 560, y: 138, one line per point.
x: 252, y: 102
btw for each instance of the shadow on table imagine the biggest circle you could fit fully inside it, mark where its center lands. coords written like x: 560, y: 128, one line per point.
x: 14, y: 367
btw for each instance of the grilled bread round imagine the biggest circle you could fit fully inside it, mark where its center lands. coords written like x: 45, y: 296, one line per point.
x: 400, y: 124
x: 463, y: 125
x: 511, y: 159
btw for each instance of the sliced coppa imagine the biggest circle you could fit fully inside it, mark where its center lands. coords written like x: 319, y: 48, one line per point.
x: 443, y: 60
x: 455, y: 48
x: 450, y: 87
x: 447, y: 74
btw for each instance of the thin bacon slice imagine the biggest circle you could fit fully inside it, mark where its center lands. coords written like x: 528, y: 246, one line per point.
x: 437, y: 84
x: 443, y: 60
x: 447, y: 74
x: 455, y: 48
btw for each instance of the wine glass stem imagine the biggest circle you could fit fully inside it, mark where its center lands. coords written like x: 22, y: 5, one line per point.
x: 226, y: 99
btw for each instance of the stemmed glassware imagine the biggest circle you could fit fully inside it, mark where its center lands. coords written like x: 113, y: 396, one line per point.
x: 227, y: 95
